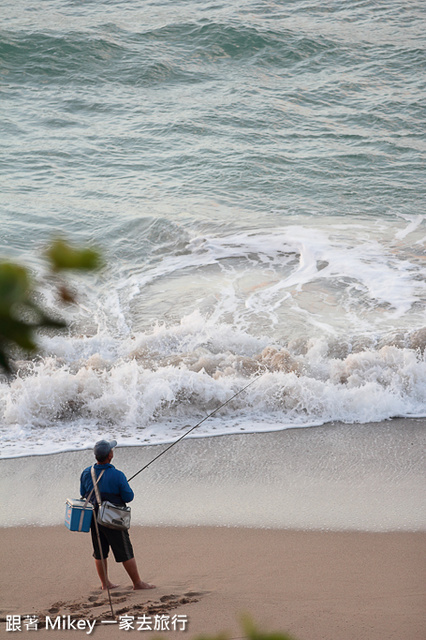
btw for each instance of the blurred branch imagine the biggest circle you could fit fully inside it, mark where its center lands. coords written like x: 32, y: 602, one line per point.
x: 20, y: 316
x: 63, y: 257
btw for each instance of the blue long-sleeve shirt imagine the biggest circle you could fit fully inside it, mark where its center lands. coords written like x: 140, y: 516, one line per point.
x: 113, y: 485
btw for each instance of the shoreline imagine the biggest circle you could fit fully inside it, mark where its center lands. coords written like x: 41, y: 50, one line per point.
x: 246, y: 432
x: 341, y: 477
x: 312, y: 584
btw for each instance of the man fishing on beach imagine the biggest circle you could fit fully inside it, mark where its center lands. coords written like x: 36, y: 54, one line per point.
x: 115, y: 488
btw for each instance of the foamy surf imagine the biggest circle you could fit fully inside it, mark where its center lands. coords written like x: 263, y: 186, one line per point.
x: 152, y: 387
x: 321, y: 273
x: 328, y: 316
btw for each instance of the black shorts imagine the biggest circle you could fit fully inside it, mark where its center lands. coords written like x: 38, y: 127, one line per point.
x: 118, y: 540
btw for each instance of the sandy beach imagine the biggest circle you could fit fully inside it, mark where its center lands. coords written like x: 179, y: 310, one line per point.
x: 318, y: 532
x: 316, y: 585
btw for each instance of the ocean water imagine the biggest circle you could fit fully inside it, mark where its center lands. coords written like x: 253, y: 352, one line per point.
x: 253, y: 172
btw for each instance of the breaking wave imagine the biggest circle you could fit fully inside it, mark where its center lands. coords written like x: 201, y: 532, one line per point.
x: 152, y: 387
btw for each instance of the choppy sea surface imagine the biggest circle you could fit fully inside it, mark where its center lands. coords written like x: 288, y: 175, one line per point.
x: 253, y: 172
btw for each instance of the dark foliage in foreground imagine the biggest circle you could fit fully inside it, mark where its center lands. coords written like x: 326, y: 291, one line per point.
x: 21, y: 316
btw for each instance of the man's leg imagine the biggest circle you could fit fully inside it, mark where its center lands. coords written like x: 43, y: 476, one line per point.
x: 132, y: 570
x: 105, y: 581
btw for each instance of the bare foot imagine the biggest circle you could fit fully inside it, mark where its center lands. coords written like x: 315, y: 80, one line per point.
x: 143, y: 585
x: 110, y: 586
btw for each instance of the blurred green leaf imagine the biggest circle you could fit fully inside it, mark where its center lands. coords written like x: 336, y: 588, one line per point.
x: 219, y: 636
x: 43, y: 319
x: 253, y: 633
x: 4, y: 362
x: 51, y: 323
x: 20, y: 315
x: 64, y: 257
x: 14, y: 286
x: 17, y: 332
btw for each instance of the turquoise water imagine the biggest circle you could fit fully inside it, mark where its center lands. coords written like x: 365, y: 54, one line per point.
x: 254, y: 173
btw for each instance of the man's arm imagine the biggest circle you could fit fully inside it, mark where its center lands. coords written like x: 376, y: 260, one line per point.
x: 126, y: 492
x: 83, y: 485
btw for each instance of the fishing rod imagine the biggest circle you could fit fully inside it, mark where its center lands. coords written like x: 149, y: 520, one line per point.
x: 197, y: 425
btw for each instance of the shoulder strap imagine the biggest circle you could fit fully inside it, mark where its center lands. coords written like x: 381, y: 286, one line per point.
x: 95, y: 483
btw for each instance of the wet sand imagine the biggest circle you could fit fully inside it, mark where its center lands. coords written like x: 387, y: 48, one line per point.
x: 336, y: 477
x: 319, y: 532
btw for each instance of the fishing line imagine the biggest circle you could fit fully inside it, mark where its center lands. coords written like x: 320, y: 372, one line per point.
x: 197, y: 425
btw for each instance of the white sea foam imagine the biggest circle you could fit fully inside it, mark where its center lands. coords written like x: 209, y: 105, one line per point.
x: 161, y: 383
x: 330, y: 276
x: 331, y: 317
